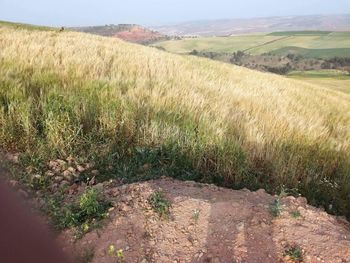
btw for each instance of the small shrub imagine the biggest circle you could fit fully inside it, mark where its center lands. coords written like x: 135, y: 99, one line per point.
x: 295, y: 214
x: 276, y: 208
x: 84, y: 214
x: 295, y: 253
x: 90, y: 207
x: 160, y: 204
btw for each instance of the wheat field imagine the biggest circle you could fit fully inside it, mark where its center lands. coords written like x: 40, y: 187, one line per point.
x: 66, y: 93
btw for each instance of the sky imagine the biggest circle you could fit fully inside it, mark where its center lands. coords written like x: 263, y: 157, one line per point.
x: 157, y: 12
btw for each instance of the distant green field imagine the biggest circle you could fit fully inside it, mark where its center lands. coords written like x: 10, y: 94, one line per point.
x: 313, y: 53
x: 316, y: 44
x: 216, y: 44
x: 331, y: 79
x: 300, y: 33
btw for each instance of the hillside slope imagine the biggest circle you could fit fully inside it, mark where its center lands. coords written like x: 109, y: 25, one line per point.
x: 127, y: 32
x: 142, y: 113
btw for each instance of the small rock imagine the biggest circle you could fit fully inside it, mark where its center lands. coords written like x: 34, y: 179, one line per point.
x: 61, y: 162
x: 67, y: 175
x: 123, y: 207
x: 52, y: 164
x: 36, y: 177
x: 71, y: 169
x: 49, y: 174
x: 80, y: 168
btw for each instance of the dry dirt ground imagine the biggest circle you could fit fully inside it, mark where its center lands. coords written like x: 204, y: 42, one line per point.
x: 211, y: 224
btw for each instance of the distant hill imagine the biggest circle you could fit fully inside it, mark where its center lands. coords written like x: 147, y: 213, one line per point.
x: 128, y: 32
x: 256, y: 25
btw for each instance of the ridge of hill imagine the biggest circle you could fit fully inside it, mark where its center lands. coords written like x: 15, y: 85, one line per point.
x: 128, y: 32
x: 227, y: 27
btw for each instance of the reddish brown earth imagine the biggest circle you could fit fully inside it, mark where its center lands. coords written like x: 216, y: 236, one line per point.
x: 139, y: 35
x: 232, y: 226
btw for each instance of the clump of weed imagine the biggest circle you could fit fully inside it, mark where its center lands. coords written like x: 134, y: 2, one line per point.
x: 83, y: 214
x: 276, y: 207
x: 117, y: 254
x: 160, y: 204
x: 195, y: 215
x: 295, y: 214
x: 295, y: 253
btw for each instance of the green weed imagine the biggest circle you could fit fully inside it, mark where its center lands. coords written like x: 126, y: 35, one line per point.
x: 160, y: 204
x: 276, y: 207
x: 295, y: 214
x: 295, y: 253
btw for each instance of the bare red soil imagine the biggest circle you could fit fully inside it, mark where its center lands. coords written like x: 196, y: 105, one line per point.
x: 230, y: 226
x: 139, y: 35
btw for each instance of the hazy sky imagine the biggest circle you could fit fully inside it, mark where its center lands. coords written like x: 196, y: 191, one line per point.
x: 152, y: 12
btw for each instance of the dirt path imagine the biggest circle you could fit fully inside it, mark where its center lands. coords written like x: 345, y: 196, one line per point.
x: 212, y: 224
x: 268, y: 42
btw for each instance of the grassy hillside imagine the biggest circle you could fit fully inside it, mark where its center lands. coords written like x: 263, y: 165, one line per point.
x: 26, y: 26
x: 144, y: 113
x: 315, y: 44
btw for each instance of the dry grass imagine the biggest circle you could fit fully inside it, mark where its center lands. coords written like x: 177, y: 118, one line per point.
x: 71, y: 93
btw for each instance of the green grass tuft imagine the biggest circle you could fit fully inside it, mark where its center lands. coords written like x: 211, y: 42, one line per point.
x: 160, y: 204
x: 295, y: 253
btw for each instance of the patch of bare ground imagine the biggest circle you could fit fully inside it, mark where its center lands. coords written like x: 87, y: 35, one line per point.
x: 210, y: 224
